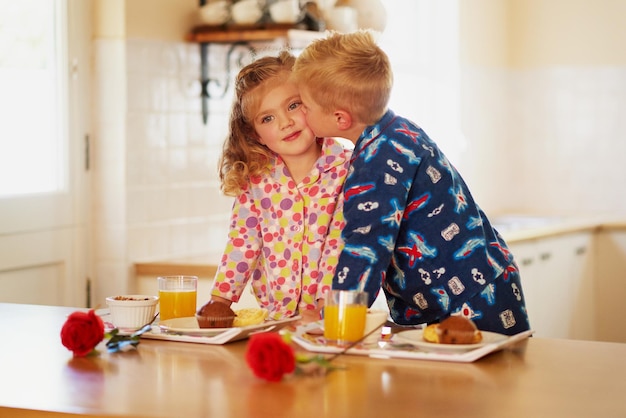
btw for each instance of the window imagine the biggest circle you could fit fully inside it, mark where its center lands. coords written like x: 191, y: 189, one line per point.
x: 33, y: 137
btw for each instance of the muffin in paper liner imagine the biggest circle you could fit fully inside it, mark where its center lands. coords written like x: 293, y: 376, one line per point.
x: 215, y: 321
x: 215, y: 315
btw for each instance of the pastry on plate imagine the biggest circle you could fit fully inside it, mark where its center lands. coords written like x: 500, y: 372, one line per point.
x: 249, y: 316
x: 215, y: 315
x: 453, y: 330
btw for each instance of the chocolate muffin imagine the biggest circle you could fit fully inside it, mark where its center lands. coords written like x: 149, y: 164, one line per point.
x: 215, y: 315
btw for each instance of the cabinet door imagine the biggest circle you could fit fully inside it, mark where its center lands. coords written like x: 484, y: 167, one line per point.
x: 576, y: 269
x: 611, y: 285
x: 557, y: 283
x: 547, y: 304
x: 526, y: 256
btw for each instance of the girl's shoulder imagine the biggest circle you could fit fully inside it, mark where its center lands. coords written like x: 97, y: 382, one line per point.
x: 336, y: 148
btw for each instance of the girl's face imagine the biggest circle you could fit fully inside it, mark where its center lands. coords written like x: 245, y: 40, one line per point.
x: 281, y: 124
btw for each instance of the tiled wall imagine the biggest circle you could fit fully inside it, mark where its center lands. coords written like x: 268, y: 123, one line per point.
x: 174, y: 206
x: 572, y: 123
x: 547, y: 141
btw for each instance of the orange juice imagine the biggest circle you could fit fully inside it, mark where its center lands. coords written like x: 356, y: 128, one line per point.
x: 177, y: 304
x: 344, y: 323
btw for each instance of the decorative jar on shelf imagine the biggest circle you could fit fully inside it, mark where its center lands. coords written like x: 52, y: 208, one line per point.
x: 371, y: 14
x: 215, y: 12
x: 247, y: 12
x: 285, y: 11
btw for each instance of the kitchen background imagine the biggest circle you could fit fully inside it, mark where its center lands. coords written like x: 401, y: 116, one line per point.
x: 526, y: 97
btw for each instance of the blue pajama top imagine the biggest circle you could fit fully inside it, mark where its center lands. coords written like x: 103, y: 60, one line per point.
x: 413, y: 227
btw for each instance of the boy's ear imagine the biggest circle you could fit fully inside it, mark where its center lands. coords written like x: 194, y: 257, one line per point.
x: 343, y: 119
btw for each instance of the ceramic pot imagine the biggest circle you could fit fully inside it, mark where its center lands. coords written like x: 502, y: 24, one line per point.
x: 371, y: 14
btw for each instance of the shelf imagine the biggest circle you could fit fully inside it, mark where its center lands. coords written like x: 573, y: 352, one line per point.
x: 211, y: 35
x: 296, y: 38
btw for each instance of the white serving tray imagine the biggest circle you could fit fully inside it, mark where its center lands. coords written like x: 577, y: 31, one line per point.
x: 398, y: 347
x: 228, y: 335
x: 222, y: 336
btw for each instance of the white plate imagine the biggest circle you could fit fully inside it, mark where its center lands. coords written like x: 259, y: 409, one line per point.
x: 189, y: 326
x: 416, y: 338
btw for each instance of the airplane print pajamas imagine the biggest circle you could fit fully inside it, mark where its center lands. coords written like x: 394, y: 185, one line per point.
x: 413, y: 227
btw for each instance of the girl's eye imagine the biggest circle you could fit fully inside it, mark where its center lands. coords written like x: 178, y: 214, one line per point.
x: 266, y: 119
x: 294, y: 105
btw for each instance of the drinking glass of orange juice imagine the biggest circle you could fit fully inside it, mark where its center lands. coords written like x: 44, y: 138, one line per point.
x: 177, y: 296
x: 344, y: 316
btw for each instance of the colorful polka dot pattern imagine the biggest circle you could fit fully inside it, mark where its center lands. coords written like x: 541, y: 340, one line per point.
x: 286, y: 237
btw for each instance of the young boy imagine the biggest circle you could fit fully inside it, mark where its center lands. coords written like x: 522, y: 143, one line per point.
x: 412, y: 225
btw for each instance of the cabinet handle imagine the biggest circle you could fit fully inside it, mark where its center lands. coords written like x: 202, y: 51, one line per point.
x: 545, y: 256
x: 526, y: 261
x: 580, y: 250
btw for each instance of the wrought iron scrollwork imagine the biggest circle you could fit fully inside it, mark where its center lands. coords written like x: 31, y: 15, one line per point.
x: 221, y: 86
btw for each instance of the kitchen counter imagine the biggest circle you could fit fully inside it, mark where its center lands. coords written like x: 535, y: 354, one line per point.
x: 536, y: 377
x: 514, y: 228
x: 190, y: 266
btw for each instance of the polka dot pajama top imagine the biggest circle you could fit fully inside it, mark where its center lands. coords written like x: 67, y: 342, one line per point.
x: 286, y: 237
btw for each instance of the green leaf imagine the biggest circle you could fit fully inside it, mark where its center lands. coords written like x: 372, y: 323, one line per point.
x: 118, y: 342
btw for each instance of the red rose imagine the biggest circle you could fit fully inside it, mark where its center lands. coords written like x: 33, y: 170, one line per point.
x: 82, y: 332
x: 269, y: 356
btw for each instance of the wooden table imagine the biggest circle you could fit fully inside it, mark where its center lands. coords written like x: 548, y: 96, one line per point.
x: 538, y: 377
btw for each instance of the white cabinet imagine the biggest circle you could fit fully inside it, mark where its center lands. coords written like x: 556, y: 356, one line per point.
x: 610, y: 277
x: 558, y: 284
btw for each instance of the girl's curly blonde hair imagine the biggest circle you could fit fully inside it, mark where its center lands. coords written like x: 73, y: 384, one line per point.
x: 243, y: 156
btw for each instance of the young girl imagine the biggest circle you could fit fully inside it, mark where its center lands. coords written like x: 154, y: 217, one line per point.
x: 287, y: 218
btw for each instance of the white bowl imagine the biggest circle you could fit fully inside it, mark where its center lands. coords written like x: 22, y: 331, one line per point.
x: 215, y: 13
x: 342, y: 19
x: 132, y: 311
x: 246, y: 12
x: 286, y: 11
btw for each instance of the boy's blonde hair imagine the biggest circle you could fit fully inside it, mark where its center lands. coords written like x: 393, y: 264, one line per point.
x: 347, y: 71
x: 243, y: 156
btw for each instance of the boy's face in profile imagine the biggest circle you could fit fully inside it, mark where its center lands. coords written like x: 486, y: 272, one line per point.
x: 321, y: 123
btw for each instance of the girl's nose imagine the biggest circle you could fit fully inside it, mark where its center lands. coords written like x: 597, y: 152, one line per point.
x: 287, y: 122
